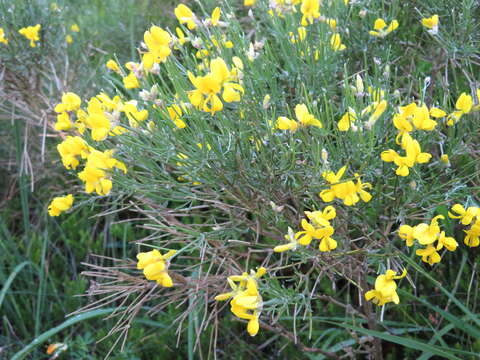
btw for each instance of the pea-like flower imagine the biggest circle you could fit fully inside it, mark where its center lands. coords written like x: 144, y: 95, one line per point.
x: 186, y: 16
x: 97, y: 172
x: 32, y: 33
x: 381, y: 29
x: 131, y: 81
x: 431, y: 24
x: 468, y: 216
x: 414, y: 155
x: 3, y: 39
x: 60, y: 205
x: 71, y: 149
x: 348, y: 120
x: 205, y: 96
x: 70, y: 102
x: 310, y: 10
x: 347, y: 191
x: 155, y: 266
x: 113, y: 65
x: 319, y: 228
x: 304, y: 117
x: 463, y: 105
x: 427, y: 234
x: 158, y: 43
x: 336, y: 42
x: 246, y: 301
x: 385, y: 288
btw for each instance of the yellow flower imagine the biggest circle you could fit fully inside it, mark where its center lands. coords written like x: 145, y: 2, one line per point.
x: 302, y: 34
x: 60, y: 204
x: 113, y: 65
x: 292, y: 242
x: 305, y: 118
x: 431, y: 23
x: 336, y: 43
x: 69, y: 39
x: 429, y: 255
x: 347, y: 120
x: 70, y: 149
x: 381, y: 29
x: 378, y: 108
x: 158, y: 43
x: 75, y: 28
x: 309, y: 233
x: 186, y: 16
x: 319, y: 228
x: 133, y: 114
x: 249, y: 2
x: 467, y: 216
x: 444, y: 159
x: 463, y: 106
x: 155, y: 266
x: 215, y: 19
x: 446, y: 241
x: 131, y: 81
x: 284, y: 123
x: 421, y: 119
x: 437, y: 113
x: 70, y: 102
x: 246, y: 300
x: 96, y: 174
x: 31, y: 33
x: 310, y: 10
x: 180, y: 36
x: 385, y: 288
x: 427, y: 234
x: 205, y: 95
x: 63, y: 122
x: 472, y: 237
x: 347, y: 191
x: 464, y: 103
x: 406, y: 233
x: 97, y: 120
x: 2, y: 37
x: 414, y: 155
x: 175, y: 113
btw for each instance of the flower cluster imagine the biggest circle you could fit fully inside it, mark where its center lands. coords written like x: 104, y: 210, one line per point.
x: 246, y: 301
x: 427, y: 234
x: 97, y: 172
x: 381, y: 29
x: 318, y: 227
x: 348, y: 191
x: 155, y: 266
x: 205, y: 95
x: 413, y: 155
x: 385, y: 288
x: 468, y: 216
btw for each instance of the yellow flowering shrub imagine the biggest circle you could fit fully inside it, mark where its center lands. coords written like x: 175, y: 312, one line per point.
x: 252, y: 129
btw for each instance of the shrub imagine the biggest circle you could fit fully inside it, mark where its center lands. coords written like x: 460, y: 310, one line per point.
x: 311, y: 145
